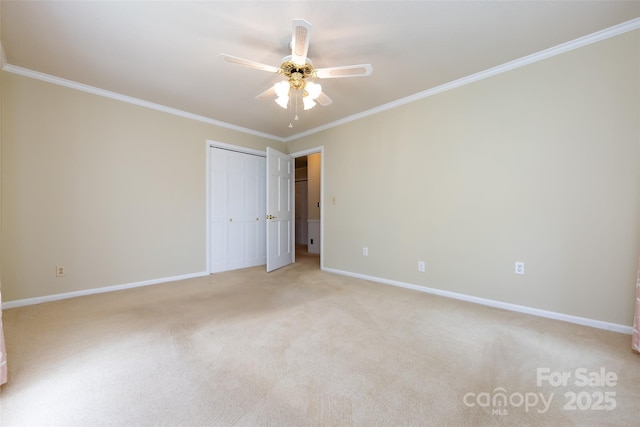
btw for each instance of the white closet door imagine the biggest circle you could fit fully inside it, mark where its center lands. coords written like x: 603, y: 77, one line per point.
x: 254, y: 221
x: 218, y: 209
x: 237, y: 210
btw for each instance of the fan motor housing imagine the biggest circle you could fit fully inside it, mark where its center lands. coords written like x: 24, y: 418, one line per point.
x: 290, y: 68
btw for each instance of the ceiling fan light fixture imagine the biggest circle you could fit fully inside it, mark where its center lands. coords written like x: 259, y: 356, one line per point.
x: 283, y: 101
x: 282, y: 88
x: 308, y: 103
x: 298, y: 69
x: 313, y: 90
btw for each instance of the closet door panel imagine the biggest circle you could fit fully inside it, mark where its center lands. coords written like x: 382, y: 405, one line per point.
x: 235, y: 246
x: 238, y: 209
x: 218, y: 247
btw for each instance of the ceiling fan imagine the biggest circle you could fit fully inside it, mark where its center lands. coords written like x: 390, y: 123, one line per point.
x: 298, y: 69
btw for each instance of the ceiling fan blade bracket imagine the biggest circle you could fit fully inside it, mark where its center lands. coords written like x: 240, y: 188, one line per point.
x: 249, y: 63
x: 300, y: 41
x: 360, y: 70
x: 266, y: 94
x: 323, y: 99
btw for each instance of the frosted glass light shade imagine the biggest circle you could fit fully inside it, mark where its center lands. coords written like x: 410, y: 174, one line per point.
x: 313, y: 89
x: 283, y: 101
x: 282, y: 89
x: 308, y: 103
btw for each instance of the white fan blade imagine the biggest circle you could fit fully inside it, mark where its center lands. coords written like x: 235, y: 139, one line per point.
x: 266, y: 94
x: 300, y: 41
x: 323, y: 99
x: 249, y: 63
x: 360, y: 70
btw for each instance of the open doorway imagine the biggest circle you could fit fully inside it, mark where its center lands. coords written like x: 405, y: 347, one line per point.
x: 223, y: 250
x: 308, y: 207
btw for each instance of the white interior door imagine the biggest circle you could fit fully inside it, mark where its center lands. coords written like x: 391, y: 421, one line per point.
x: 280, y: 244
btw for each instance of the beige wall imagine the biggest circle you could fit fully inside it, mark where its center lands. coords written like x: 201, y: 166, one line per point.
x: 540, y: 164
x: 112, y: 191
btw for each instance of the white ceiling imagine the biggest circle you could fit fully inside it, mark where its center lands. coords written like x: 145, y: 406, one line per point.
x: 168, y: 52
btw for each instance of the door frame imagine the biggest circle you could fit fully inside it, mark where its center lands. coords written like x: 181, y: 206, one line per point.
x: 303, y: 153
x: 209, y: 144
x: 216, y: 144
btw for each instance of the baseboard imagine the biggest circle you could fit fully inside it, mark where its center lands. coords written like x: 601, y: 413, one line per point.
x: 55, y: 297
x: 614, y: 327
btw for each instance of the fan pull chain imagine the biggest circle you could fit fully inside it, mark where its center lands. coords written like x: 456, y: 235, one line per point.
x: 290, y: 105
x: 296, y: 110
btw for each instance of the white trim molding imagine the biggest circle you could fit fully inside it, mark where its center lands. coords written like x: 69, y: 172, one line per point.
x: 616, y: 30
x: 303, y: 153
x: 238, y: 148
x: 614, y: 327
x: 67, y: 295
x: 128, y: 99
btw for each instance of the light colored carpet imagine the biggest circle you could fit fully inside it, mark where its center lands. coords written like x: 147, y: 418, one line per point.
x: 301, y: 347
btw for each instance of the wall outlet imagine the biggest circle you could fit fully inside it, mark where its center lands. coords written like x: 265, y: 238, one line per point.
x: 59, y: 271
x: 365, y: 251
x: 421, y: 266
x: 519, y: 268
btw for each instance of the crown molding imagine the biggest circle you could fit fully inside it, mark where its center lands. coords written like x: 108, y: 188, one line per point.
x: 607, y: 33
x: 128, y: 99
